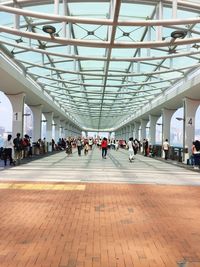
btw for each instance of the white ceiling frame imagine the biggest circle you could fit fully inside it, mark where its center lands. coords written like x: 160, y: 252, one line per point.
x: 57, y: 93
x: 98, y: 21
x: 122, y: 105
x: 103, y: 44
x: 183, y: 4
x: 97, y: 85
x: 108, y: 92
x: 131, y: 74
x: 114, y: 59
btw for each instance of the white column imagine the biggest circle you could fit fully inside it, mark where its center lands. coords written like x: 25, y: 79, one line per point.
x: 124, y: 133
x: 190, y: 108
x: 130, y: 130
x: 127, y: 133
x: 166, y: 123
x: 37, y: 117
x: 121, y: 134
x: 72, y: 130
x: 117, y: 135
x: 125, y: 129
x: 69, y: 129
x: 166, y: 120
x: 57, y: 128
x: 143, y: 128
x: 136, y: 130
x: 66, y: 131
x: 17, y: 102
x: 152, y: 130
x: 61, y: 130
x: 49, y: 118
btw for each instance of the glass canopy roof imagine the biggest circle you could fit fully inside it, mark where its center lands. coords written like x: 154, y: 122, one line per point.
x: 106, y: 59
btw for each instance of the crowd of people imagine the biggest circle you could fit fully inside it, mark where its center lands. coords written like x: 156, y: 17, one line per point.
x: 16, y: 149
x: 86, y: 144
x: 22, y: 147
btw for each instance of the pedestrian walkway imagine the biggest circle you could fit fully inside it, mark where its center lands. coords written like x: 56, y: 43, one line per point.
x: 86, y: 211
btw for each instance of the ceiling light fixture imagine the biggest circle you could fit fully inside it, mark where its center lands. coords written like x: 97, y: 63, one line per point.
x: 196, y: 46
x: 178, y: 34
x: 49, y: 29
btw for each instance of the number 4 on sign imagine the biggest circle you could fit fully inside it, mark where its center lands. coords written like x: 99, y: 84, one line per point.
x: 190, y: 121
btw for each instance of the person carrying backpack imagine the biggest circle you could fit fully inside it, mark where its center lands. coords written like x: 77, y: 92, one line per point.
x: 17, y: 148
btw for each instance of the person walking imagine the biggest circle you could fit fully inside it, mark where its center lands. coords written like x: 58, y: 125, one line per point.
x: 196, y: 153
x: 131, y: 149
x: 146, y: 147
x: 8, y: 149
x: 69, y: 147
x: 117, y: 145
x: 104, y: 147
x: 166, y: 148
x: 17, y: 148
x: 86, y: 148
x: 79, y: 146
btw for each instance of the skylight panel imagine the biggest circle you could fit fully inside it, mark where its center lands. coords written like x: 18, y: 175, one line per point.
x: 42, y: 8
x: 91, y: 51
x: 95, y: 10
x: 6, y: 18
x: 122, y: 53
x: 92, y: 65
x: 119, y: 65
x: 29, y: 56
x: 135, y: 11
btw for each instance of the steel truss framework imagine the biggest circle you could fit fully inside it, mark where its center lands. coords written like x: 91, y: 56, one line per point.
x: 107, y: 59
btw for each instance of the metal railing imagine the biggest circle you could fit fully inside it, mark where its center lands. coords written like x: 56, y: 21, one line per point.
x: 175, y: 153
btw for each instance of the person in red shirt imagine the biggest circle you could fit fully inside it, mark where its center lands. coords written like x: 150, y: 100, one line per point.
x: 104, y: 147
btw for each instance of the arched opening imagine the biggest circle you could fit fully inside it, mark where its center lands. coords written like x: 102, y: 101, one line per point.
x: 159, y: 129
x: 147, y: 134
x: 197, y: 124
x: 176, y: 128
x: 54, y: 130
x: 6, y: 113
x: 28, y: 121
x: 139, y: 133
x: 43, y: 127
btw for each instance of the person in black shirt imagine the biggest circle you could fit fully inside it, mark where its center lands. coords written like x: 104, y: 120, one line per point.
x: 17, y: 148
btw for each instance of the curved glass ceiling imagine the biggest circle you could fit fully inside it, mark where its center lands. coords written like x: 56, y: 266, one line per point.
x: 107, y: 59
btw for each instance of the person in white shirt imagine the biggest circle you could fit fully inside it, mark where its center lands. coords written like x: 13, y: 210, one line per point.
x: 166, y: 148
x: 8, y: 150
x: 130, y: 149
x: 90, y: 142
x: 116, y: 145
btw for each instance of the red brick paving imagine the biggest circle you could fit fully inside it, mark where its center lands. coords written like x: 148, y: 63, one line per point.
x: 106, y: 225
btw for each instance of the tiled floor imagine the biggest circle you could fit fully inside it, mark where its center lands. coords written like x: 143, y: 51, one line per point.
x: 111, y: 223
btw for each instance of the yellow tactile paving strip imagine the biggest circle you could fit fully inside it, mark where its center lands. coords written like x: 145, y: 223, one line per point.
x: 21, y: 186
